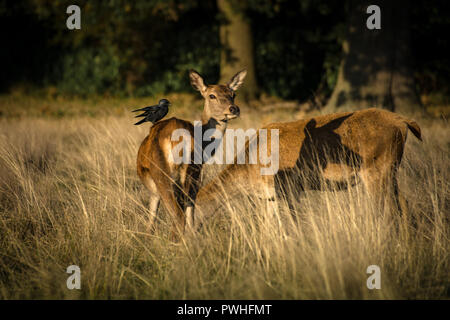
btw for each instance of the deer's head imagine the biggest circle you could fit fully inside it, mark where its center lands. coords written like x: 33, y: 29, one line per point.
x: 219, y: 99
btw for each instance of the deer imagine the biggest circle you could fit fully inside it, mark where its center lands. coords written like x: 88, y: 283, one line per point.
x: 177, y: 184
x: 326, y: 152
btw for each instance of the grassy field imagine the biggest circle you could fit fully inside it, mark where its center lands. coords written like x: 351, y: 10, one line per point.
x: 69, y: 194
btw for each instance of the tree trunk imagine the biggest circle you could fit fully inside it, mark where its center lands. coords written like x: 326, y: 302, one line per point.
x: 375, y: 70
x: 237, y: 48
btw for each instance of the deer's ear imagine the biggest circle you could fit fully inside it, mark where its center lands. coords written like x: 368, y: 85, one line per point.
x: 237, y: 80
x: 197, y: 81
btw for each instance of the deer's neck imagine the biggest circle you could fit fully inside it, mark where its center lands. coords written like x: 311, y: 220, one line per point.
x: 210, y: 123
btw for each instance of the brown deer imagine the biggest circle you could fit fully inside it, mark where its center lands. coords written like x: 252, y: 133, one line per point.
x: 324, y: 152
x: 177, y: 184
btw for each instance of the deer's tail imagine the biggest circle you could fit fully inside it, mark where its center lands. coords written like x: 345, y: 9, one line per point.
x: 414, y: 127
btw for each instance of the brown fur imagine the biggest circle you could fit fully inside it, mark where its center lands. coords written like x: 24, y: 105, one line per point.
x: 160, y: 175
x: 177, y: 184
x: 324, y: 152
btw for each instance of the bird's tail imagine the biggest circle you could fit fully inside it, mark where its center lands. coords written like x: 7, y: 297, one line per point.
x: 140, y: 122
x: 141, y: 109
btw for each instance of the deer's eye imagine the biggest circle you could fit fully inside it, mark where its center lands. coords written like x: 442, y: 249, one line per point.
x: 211, y: 96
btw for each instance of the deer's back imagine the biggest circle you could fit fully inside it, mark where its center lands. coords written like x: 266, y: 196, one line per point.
x: 361, y: 135
x: 155, y: 153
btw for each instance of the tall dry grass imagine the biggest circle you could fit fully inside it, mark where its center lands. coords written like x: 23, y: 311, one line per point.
x: 69, y: 194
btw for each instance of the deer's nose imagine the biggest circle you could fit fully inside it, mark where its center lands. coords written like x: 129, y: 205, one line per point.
x: 234, y: 110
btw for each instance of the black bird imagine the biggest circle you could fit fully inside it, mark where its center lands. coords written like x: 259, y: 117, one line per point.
x: 153, y: 113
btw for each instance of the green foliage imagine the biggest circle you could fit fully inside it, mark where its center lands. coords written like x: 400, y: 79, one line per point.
x: 88, y: 71
x: 146, y: 47
x: 297, y: 42
x: 132, y: 48
x: 181, y: 50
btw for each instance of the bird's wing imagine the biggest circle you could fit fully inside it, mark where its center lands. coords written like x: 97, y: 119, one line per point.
x: 161, y: 113
x: 164, y: 112
x: 140, y: 122
x: 149, y: 108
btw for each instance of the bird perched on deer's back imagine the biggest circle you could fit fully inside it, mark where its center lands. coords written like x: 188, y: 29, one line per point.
x: 153, y: 113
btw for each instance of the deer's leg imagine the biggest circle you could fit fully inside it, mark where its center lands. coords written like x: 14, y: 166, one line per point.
x: 381, y: 184
x: 402, y: 204
x: 283, y: 192
x: 192, y: 185
x: 268, y: 191
x: 376, y: 181
x: 154, y: 204
x: 154, y: 200
x: 167, y: 192
x: 271, y: 198
x: 189, y: 213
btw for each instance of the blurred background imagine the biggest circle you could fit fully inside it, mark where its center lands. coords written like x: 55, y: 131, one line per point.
x: 317, y: 55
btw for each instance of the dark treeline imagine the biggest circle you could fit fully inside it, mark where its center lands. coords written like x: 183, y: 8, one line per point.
x: 294, y: 49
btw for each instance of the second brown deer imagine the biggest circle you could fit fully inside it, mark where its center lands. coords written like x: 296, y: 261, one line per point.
x: 333, y: 151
